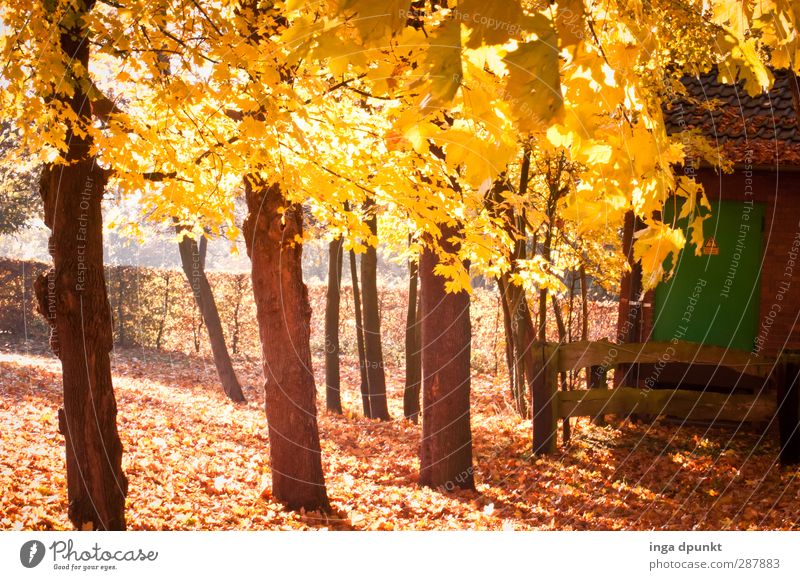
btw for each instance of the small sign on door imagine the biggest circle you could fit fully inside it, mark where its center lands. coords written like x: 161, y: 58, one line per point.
x: 710, y: 248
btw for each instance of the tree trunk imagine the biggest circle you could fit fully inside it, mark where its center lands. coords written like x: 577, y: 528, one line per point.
x: 446, y: 449
x: 629, y: 320
x: 284, y: 318
x: 376, y: 376
x: 239, y: 286
x: 72, y: 296
x: 333, y: 395
x: 509, y: 337
x: 413, y: 354
x: 519, y: 338
x: 584, y: 305
x: 362, y: 360
x: 543, y: 315
x: 193, y: 261
x: 517, y: 321
x: 544, y: 438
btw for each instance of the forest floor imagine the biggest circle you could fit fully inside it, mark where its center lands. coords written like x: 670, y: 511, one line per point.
x: 196, y: 461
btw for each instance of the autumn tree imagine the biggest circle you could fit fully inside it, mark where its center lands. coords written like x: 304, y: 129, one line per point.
x: 359, y: 324
x: 375, y: 372
x: 517, y: 321
x: 413, y: 346
x: 72, y: 295
x: 284, y: 317
x: 446, y: 448
x: 193, y: 262
x: 333, y: 395
x: 274, y: 231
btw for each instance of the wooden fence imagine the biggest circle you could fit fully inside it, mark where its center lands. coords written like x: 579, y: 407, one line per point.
x: 772, y: 384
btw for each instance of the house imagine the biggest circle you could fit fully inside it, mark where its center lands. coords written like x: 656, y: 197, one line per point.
x: 743, y: 291
x: 719, y: 341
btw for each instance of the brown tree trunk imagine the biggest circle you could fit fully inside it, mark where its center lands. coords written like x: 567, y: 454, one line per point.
x: 553, y: 177
x: 543, y: 315
x: 72, y: 295
x: 584, y: 304
x: 362, y: 360
x: 193, y: 261
x: 376, y: 375
x: 446, y: 449
x: 630, y: 312
x: 239, y: 284
x: 629, y: 320
x: 543, y: 437
x: 517, y: 321
x: 333, y: 395
x: 413, y: 354
x: 509, y: 336
x: 519, y: 338
x: 284, y: 318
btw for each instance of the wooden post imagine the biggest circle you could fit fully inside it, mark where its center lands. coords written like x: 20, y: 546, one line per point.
x: 598, y: 379
x: 789, y: 410
x: 545, y: 399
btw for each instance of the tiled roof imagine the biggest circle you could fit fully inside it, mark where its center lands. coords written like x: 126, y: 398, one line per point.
x: 762, y: 130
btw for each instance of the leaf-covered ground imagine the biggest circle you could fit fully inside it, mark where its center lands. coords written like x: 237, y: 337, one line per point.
x: 196, y: 461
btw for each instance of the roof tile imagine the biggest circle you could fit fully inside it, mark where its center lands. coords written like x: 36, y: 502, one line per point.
x: 761, y: 130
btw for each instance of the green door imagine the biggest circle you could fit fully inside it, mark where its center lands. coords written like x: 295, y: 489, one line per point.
x: 714, y: 298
